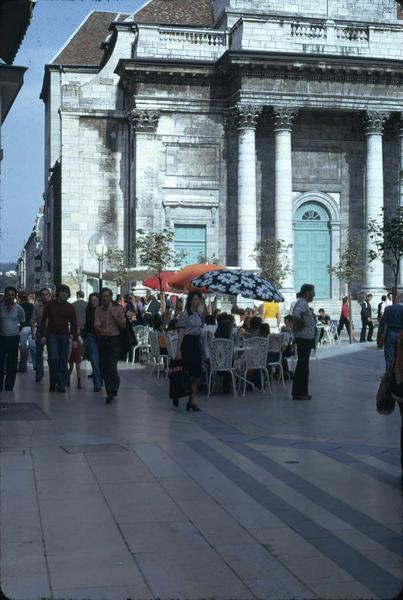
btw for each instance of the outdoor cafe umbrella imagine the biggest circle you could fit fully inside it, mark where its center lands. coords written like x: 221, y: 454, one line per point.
x: 182, y: 279
x: 160, y: 282
x: 236, y: 282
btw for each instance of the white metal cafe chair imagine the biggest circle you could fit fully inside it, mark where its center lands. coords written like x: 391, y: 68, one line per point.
x: 275, y: 346
x: 254, y: 357
x: 142, y: 344
x: 158, y: 360
x: 221, y: 352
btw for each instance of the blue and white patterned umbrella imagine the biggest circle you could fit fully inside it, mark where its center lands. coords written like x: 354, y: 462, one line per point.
x: 237, y: 282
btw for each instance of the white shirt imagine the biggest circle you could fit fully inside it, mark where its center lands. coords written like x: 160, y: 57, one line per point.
x: 303, y: 311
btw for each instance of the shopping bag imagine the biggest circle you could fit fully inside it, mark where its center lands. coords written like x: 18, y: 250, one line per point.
x: 179, y: 380
x: 385, y: 403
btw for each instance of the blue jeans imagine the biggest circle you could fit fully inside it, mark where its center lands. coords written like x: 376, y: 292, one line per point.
x: 92, y: 349
x: 58, y: 355
x: 24, y: 347
x: 39, y: 357
x: 390, y: 347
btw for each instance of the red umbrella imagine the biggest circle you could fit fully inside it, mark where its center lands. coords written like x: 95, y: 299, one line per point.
x: 160, y: 282
x: 182, y: 279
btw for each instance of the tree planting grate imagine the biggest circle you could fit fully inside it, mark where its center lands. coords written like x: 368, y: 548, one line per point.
x: 21, y: 411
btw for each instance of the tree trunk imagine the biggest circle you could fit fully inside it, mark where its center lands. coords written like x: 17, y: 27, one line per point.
x: 350, y: 317
x: 394, y: 291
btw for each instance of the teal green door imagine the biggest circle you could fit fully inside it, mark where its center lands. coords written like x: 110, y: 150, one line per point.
x: 312, y: 248
x: 191, y: 239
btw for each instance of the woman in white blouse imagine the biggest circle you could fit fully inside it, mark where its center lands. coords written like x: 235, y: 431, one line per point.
x: 190, y: 325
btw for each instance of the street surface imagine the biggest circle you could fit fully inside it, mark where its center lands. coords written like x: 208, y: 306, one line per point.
x: 256, y: 497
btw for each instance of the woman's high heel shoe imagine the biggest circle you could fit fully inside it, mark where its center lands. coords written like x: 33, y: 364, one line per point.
x: 193, y: 407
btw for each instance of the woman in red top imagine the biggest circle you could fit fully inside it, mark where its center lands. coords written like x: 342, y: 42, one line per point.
x: 344, y: 320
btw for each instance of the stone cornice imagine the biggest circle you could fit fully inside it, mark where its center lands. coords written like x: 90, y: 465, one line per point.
x: 311, y: 67
x: 375, y: 122
x: 244, y: 116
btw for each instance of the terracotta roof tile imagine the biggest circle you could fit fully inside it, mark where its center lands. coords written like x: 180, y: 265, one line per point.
x: 198, y: 13
x: 84, y: 48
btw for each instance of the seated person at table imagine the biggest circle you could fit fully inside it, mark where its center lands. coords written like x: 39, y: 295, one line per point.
x: 159, y: 326
x: 210, y: 325
x: 287, y: 343
x: 245, y: 326
x: 323, y: 319
x: 254, y: 330
x: 225, y: 327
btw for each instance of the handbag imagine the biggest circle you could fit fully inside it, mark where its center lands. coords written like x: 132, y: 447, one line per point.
x: 127, y: 336
x: 385, y: 402
x: 179, y: 381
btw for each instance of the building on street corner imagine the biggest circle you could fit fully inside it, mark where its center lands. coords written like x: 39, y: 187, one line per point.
x: 15, y: 17
x: 227, y: 121
x: 30, y: 268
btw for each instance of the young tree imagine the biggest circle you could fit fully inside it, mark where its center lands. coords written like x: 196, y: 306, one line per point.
x: 348, y: 270
x: 387, y: 239
x: 213, y: 260
x: 156, y: 252
x: 120, y: 263
x: 78, y: 277
x: 272, y: 258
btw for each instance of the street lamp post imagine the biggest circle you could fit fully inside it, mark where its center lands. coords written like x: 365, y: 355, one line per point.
x: 100, y: 250
x: 98, y: 247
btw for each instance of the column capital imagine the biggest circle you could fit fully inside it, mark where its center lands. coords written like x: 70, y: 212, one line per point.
x: 375, y: 121
x: 143, y: 120
x: 245, y: 116
x: 284, y: 118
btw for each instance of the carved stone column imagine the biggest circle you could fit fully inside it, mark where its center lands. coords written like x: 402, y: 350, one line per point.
x: 143, y: 169
x: 374, y: 124
x: 283, y: 122
x: 245, y: 118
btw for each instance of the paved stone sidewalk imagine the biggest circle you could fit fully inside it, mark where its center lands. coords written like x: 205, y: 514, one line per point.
x: 255, y: 497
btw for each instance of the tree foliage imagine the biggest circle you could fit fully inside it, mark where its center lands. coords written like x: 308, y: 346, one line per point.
x: 387, y: 239
x: 119, y: 262
x: 212, y: 260
x: 272, y: 256
x: 77, y: 276
x: 156, y: 251
x: 348, y: 269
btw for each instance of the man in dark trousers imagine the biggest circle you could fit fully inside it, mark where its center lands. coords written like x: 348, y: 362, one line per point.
x: 109, y: 319
x: 57, y: 324
x: 366, y: 319
x: 304, y: 333
x: 25, y: 330
x: 389, y: 329
x: 39, y: 307
x: 11, y: 317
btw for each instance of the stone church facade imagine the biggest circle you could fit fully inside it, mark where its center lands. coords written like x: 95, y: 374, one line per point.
x: 227, y: 121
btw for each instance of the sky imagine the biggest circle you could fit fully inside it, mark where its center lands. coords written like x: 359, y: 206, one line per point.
x: 22, y: 175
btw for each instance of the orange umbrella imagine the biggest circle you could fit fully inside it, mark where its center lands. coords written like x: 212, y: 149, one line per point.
x: 181, y: 280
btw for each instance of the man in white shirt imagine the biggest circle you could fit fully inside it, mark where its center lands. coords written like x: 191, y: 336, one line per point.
x: 304, y: 332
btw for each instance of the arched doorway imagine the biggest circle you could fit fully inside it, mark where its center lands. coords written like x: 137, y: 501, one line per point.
x: 312, y: 248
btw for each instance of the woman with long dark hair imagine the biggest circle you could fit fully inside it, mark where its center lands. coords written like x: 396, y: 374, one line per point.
x: 91, y: 340
x: 190, y: 324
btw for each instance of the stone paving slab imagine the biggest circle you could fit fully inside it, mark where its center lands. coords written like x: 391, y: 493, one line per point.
x: 254, y: 498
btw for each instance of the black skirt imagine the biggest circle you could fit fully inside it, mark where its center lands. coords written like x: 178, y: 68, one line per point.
x: 192, y: 359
